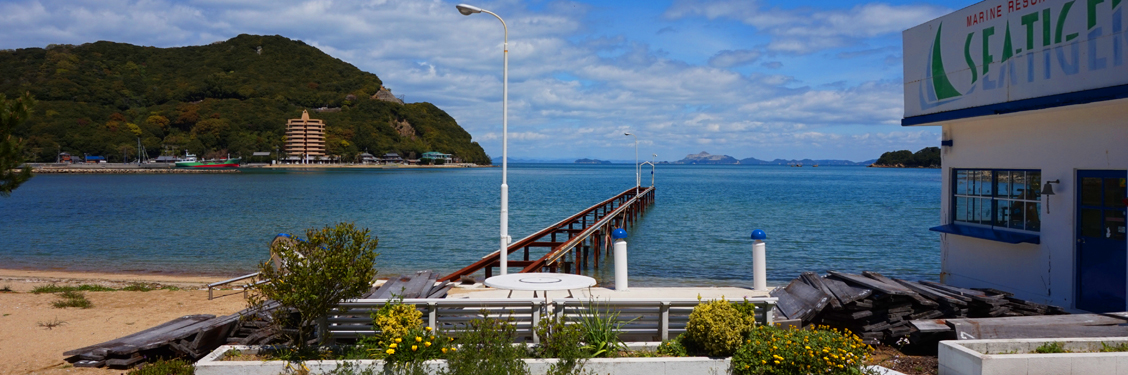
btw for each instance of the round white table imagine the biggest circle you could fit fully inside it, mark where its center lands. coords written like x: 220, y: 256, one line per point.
x: 540, y: 281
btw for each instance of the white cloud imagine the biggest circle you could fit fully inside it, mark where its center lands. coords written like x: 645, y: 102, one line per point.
x: 573, y: 89
x: 805, y: 30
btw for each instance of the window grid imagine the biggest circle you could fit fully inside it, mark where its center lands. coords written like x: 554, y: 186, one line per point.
x: 998, y: 198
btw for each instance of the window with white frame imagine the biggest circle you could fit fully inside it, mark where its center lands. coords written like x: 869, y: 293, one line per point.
x: 999, y: 198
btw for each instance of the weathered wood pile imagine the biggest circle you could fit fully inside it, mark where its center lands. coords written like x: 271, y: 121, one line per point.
x: 193, y: 336
x: 190, y: 336
x: 421, y: 285
x: 879, y: 309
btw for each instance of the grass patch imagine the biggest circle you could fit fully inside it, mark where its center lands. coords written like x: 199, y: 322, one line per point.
x: 1121, y: 347
x: 52, y: 288
x: 49, y: 325
x: 138, y: 287
x: 6, y: 289
x: 1051, y: 347
x: 165, y: 367
x: 72, y: 298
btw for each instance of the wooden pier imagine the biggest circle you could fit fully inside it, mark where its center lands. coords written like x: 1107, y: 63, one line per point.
x: 573, y: 244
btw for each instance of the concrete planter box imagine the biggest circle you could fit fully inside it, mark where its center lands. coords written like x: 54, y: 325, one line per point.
x: 1013, y: 356
x: 211, y: 365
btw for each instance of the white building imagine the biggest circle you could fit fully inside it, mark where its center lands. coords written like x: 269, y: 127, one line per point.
x: 1031, y: 96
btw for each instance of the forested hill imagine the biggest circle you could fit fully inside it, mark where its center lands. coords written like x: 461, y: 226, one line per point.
x: 227, y: 97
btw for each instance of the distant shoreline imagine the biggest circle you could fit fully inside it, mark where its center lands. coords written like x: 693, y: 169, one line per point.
x: 118, y: 168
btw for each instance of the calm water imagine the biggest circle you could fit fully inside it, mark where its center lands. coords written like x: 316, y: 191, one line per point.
x: 817, y: 219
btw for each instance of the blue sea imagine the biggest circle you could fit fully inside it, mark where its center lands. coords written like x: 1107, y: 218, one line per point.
x: 697, y: 233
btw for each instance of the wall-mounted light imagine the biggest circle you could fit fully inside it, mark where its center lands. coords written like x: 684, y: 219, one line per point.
x: 946, y: 142
x: 1047, y: 191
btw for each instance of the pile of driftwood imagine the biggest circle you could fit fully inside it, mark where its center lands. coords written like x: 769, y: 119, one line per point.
x: 879, y: 309
x: 194, y: 336
x: 421, y: 285
x: 190, y: 336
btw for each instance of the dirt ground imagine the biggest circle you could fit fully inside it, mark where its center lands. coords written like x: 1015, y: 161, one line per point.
x: 891, y: 358
x: 29, y: 346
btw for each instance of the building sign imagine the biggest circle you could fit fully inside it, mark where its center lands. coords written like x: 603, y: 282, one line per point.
x: 1006, y: 50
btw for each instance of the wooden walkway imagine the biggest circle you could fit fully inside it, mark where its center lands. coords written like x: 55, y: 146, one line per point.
x: 573, y: 244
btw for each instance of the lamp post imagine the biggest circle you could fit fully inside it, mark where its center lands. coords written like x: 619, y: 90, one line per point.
x: 467, y: 10
x: 638, y: 177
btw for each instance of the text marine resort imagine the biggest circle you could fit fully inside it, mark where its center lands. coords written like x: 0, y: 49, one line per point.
x: 1032, y: 98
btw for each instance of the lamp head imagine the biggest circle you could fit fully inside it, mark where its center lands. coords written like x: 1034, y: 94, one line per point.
x: 627, y: 134
x: 467, y: 10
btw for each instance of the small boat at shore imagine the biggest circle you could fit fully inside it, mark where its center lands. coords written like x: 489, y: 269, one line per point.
x: 191, y: 162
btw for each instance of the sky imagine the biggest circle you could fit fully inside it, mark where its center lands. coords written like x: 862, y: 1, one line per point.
x: 750, y: 78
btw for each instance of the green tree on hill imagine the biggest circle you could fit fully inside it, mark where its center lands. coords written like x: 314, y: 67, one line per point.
x: 13, y: 113
x: 928, y: 157
x: 232, y: 96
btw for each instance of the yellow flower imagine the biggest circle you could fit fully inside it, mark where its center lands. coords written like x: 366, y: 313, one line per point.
x: 454, y: 349
x: 764, y: 361
x: 418, y: 339
x: 776, y: 362
x: 398, y: 339
x: 414, y: 347
x: 427, y: 328
x: 391, y: 351
x: 393, y: 346
x: 428, y: 343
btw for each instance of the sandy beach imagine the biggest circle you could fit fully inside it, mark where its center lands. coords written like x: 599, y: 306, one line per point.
x: 27, y: 346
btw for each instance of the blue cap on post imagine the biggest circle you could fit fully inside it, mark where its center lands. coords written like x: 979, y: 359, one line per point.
x: 619, y: 234
x: 759, y: 235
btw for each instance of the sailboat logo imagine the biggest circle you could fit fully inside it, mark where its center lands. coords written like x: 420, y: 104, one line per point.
x: 937, y: 90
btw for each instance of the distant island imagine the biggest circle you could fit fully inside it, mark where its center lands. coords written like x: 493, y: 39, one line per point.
x: 592, y: 161
x: 706, y: 158
x: 928, y: 157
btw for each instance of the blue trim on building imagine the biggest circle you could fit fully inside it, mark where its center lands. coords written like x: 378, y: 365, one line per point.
x: 989, y: 234
x: 1052, y: 101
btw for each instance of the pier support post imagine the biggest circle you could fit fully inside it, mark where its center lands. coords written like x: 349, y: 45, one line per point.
x: 620, y: 237
x: 759, y: 254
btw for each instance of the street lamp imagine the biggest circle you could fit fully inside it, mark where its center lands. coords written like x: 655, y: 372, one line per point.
x: 467, y: 10
x: 638, y: 177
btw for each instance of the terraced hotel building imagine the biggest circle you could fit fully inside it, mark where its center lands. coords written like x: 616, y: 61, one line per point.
x: 305, y: 137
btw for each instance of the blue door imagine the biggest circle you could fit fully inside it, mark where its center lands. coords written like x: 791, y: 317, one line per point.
x: 1102, y: 255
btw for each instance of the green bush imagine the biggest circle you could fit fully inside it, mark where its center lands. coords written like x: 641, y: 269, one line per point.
x: 333, y: 264
x: 1051, y: 347
x: 486, y: 348
x: 395, y: 319
x: 717, y: 328
x: 819, y: 350
x: 563, y: 342
x: 673, y: 348
x: 600, y: 329
x: 52, y: 288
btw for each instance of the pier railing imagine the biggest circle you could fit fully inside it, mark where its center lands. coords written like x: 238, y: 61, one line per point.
x: 640, y: 319
x: 587, y: 234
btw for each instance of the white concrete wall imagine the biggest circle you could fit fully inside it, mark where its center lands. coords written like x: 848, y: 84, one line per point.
x: 1057, y: 141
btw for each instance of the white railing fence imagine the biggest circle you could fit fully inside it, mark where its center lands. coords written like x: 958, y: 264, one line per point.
x: 639, y: 319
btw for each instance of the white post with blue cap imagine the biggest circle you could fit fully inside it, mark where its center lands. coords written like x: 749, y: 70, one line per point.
x: 759, y: 254
x: 620, y: 237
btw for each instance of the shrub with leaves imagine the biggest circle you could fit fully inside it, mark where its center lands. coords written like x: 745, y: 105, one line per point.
x: 13, y: 113
x: 486, y: 348
x: 563, y: 342
x: 717, y: 328
x: 673, y: 348
x: 417, y: 344
x: 395, y: 319
x: 601, y: 327
x: 818, y: 350
x: 333, y: 264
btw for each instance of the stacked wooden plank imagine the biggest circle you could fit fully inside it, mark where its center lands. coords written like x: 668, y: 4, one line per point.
x: 190, y: 336
x: 421, y: 285
x: 879, y: 308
